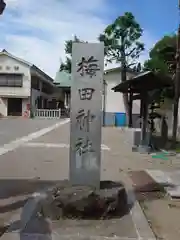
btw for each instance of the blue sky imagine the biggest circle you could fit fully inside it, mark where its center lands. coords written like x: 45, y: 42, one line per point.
x: 36, y: 30
x: 157, y: 16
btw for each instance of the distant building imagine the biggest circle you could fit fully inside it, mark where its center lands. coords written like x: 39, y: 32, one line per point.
x: 63, y: 82
x: 112, y: 102
x: 23, y: 86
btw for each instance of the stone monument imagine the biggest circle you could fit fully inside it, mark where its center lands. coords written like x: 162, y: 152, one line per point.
x: 86, y: 111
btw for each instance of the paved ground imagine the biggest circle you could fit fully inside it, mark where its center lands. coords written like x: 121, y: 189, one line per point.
x: 11, y: 129
x: 41, y: 159
x: 36, y: 161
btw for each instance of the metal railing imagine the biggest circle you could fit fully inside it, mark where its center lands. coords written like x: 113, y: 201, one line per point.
x: 48, y: 113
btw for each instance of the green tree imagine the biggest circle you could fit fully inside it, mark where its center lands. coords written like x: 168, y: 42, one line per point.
x: 163, y: 59
x: 122, y: 45
x: 66, y: 66
x: 163, y: 56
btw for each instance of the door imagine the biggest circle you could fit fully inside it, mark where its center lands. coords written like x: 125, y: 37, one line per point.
x: 14, y: 107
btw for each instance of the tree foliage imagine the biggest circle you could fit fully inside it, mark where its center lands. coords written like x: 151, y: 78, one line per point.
x: 2, y: 6
x: 163, y: 56
x: 122, y: 45
x: 66, y: 66
x: 163, y: 59
x: 137, y: 68
x: 121, y: 40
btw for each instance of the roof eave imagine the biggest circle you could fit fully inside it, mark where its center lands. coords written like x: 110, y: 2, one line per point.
x: 129, y: 70
x: 4, y: 52
x: 167, y: 82
x: 33, y: 67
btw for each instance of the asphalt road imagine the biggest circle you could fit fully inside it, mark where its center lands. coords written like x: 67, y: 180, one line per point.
x: 11, y: 129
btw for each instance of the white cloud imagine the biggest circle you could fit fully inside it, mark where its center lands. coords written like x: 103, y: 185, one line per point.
x: 36, y: 30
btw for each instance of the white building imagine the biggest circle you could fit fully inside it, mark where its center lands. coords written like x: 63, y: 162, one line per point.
x: 23, y: 86
x: 114, y: 103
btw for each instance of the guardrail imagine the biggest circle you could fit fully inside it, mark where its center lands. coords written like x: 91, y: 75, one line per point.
x: 48, y: 113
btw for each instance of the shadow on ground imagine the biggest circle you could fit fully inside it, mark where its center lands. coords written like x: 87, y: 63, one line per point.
x: 12, y: 206
x: 13, y: 187
x: 10, y: 188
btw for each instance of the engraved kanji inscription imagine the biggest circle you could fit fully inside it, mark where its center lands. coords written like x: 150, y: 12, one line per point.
x: 83, y: 119
x: 88, y: 66
x: 83, y: 146
x: 86, y: 93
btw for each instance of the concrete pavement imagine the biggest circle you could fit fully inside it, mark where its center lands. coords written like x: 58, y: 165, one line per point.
x: 13, y: 189
x: 42, y: 161
x: 11, y: 129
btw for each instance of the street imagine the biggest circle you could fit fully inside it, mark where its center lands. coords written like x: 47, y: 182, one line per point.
x: 36, y: 156
x: 11, y: 129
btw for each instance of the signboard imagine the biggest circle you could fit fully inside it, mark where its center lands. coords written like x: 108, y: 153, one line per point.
x: 86, y: 111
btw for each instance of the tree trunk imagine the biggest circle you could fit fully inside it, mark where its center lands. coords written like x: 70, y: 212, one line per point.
x: 124, y: 78
x: 176, y: 98
x: 130, y: 105
x: 175, y: 122
x: 125, y: 95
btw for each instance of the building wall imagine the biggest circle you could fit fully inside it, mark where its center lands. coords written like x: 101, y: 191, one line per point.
x: 114, y: 101
x: 25, y: 106
x: 35, y: 94
x: 8, y: 65
x: 3, y: 106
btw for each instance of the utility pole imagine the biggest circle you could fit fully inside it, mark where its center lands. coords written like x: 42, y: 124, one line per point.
x: 177, y: 83
x: 2, y: 6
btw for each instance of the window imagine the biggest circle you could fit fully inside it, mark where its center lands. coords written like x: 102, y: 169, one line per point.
x: 8, y: 68
x: 11, y: 80
x: 16, y: 68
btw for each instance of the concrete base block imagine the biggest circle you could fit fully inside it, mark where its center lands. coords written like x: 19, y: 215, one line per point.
x: 144, y: 149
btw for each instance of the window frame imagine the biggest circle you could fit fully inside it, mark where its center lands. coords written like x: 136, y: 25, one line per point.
x: 11, y: 80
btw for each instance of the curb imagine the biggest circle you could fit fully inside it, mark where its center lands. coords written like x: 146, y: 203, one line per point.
x: 139, y: 219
